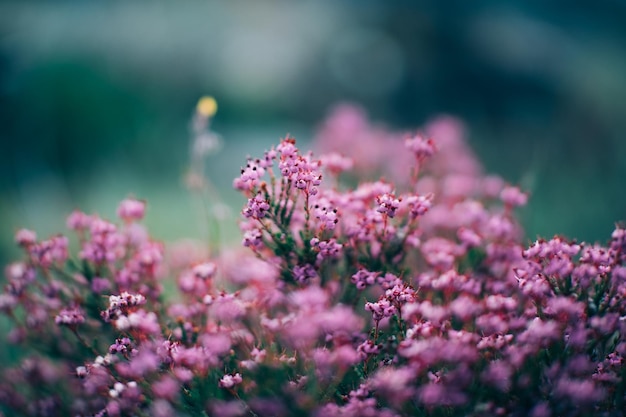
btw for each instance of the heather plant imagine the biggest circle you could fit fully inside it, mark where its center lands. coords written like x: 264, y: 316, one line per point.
x: 350, y: 296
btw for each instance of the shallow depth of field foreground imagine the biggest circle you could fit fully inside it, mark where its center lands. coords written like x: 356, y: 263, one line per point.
x: 383, y: 274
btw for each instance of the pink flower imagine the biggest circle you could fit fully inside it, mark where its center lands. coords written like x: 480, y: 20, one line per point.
x: 513, y: 197
x: 421, y: 147
x: 581, y: 392
x: 363, y: 278
x: 325, y: 214
x: 167, y: 388
x: 419, y: 204
x: 230, y: 380
x: 7, y: 302
x: 257, y: 207
x: 381, y: 309
x: 120, y: 304
x: 227, y: 308
x: 251, y: 174
x: 105, y: 243
x: 439, y: 252
x: 205, y: 270
x: 336, y: 163
x: 388, y: 204
x: 302, y: 274
x: 464, y: 307
x: 253, y: 239
x: 394, y: 384
x: 438, y: 395
x: 131, y: 209
x: 78, y: 220
x: 498, y: 374
x: 327, y: 249
x: 70, y: 316
x: 25, y: 237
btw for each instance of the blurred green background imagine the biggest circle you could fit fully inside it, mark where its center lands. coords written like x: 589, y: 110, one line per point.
x: 96, y: 97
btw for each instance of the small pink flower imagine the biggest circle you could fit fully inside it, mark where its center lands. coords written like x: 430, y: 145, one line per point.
x: 388, y: 204
x: 325, y: 214
x: 336, y: 163
x: 419, y: 204
x: 205, y: 270
x: 78, y: 221
x: 381, y: 309
x: 50, y: 251
x: 25, y: 237
x: 257, y: 207
x: 167, y: 387
x: 363, y: 278
x: 421, y: 147
x: 327, y: 249
x: 131, y: 209
x: 70, y: 316
x: 253, y: 239
x: 229, y: 381
x: 251, y: 174
x: 304, y: 273
x: 513, y: 197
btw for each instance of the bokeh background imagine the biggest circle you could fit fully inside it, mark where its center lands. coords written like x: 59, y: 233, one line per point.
x: 96, y: 97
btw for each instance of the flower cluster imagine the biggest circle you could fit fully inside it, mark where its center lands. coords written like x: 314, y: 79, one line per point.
x: 416, y: 297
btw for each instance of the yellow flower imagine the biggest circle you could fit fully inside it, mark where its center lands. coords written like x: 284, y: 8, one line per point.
x: 207, y: 106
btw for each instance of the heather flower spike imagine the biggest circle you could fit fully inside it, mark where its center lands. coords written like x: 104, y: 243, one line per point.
x: 411, y: 296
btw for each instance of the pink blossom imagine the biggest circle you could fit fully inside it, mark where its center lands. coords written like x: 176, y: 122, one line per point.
x: 439, y: 252
x: 230, y: 380
x: 131, y: 209
x: 251, y: 174
x: 302, y: 274
x: 253, y: 239
x: 50, y: 251
x: 381, y: 309
x: 167, y: 388
x: 25, y: 237
x: 204, y: 270
x: 363, y: 278
x: 388, y: 204
x: 78, y: 220
x: 440, y: 395
x: 421, y: 147
x: 257, y: 207
x: 465, y: 307
x: 579, y: 392
x: 70, y: 316
x: 336, y: 163
x: 326, y: 215
x: 327, y: 249
x: 513, y: 197
x: 498, y: 374
x: 419, y: 205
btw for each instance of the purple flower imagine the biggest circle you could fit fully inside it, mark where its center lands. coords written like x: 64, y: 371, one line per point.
x: 363, y: 278
x: 257, y: 207
x: 304, y: 273
x: 388, y: 205
x: 419, y: 204
x: 327, y: 249
x: 70, y: 316
x: 381, y: 309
